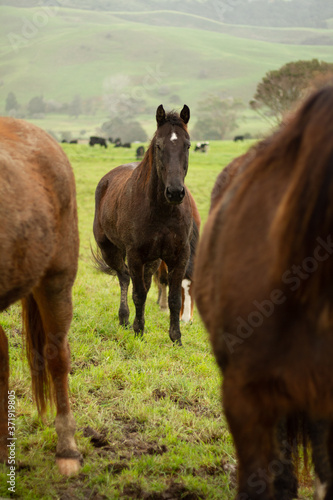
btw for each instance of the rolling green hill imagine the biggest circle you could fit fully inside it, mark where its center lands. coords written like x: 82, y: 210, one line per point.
x: 58, y: 53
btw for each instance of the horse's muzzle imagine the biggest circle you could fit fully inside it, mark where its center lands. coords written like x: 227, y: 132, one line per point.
x: 175, y: 196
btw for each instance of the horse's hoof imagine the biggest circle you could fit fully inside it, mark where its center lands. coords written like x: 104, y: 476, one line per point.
x: 178, y: 343
x: 68, y: 466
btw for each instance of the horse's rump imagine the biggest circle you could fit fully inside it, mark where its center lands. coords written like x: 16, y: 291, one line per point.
x: 36, y: 191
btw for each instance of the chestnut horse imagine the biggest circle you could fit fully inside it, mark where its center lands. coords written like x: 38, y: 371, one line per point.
x: 161, y: 276
x: 263, y: 288
x: 143, y: 214
x: 39, y: 256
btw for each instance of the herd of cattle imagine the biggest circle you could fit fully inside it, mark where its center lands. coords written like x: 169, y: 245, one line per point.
x: 201, y: 147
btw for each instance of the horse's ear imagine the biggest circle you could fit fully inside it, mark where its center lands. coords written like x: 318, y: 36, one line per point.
x: 160, y: 115
x: 185, y: 114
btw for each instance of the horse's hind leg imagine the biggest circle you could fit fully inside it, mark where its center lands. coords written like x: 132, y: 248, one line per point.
x: 162, y: 286
x: 114, y: 259
x: 253, y: 433
x: 54, y: 300
x: 4, y: 375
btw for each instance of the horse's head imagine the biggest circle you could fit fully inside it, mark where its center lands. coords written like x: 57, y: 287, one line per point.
x: 172, y: 144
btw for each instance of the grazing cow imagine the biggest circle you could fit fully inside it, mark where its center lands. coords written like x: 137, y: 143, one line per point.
x: 74, y: 141
x: 239, y: 138
x: 140, y: 152
x: 97, y: 140
x: 117, y: 143
x: 202, y: 147
x: 39, y: 258
x: 263, y: 286
x: 144, y: 215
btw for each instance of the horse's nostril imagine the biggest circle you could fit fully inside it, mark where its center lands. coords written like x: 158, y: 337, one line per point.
x: 175, y: 195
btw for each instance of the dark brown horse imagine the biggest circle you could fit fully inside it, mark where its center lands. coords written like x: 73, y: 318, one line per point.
x: 39, y: 255
x: 263, y: 285
x: 161, y: 276
x: 143, y: 214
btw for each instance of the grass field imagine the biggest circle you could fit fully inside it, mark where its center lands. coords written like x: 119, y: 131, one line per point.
x: 149, y: 418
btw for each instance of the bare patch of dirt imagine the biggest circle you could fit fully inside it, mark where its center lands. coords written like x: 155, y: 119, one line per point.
x: 97, y: 439
x: 174, y: 491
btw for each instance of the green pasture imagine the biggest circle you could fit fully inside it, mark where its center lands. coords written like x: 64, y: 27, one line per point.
x: 167, y: 57
x: 149, y: 417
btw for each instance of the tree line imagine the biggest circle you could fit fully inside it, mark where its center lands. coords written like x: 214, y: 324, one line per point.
x: 278, y: 93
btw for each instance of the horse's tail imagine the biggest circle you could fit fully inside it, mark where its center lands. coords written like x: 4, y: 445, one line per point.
x: 99, y: 263
x: 193, y: 248
x: 302, y: 228
x: 35, y: 337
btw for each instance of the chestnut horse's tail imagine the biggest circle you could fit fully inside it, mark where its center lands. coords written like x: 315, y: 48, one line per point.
x: 303, y: 225
x: 35, y: 336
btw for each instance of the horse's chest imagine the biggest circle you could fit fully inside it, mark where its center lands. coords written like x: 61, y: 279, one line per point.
x: 163, y: 242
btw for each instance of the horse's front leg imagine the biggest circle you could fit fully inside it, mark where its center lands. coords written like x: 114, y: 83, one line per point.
x: 176, y: 275
x: 136, y: 269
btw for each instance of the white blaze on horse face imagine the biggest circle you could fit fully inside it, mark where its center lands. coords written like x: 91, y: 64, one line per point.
x: 186, y: 316
x: 173, y: 136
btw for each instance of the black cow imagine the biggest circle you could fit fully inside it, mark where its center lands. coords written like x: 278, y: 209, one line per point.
x: 97, y: 140
x: 239, y: 138
x: 74, y: 141
x: 140, y: 152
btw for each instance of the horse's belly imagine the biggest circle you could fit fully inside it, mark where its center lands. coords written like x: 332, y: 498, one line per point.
x: 26, y: 251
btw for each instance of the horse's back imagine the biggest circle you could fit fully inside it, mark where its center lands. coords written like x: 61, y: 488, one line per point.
x: 37, y: 208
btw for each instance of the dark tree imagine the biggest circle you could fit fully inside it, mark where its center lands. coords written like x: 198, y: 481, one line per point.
x: 281, y: 90
x: 11, y: 102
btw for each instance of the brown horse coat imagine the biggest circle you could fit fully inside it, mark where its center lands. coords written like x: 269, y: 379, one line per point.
x: 143, y: 214
x: 263, y: 287
x: 161, y: 276
x: 39, y: 253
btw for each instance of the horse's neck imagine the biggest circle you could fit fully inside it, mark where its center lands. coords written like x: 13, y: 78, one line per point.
x: 150, y: 184
x: 156, y: 189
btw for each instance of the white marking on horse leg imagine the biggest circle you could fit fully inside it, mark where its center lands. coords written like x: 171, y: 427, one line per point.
x: 173, y: 136
x: 163, y: 302
x: 186, y: 316
x: 320, y: 489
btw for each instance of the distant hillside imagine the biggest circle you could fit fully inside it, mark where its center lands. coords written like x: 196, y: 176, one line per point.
x: 269, y: 13
x: 105, y: 59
